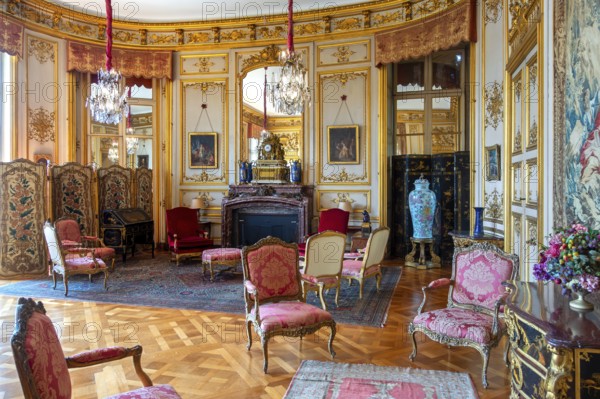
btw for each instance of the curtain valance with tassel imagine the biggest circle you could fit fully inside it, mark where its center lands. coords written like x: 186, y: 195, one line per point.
x: 11, y: 36
x: 135, y: 63
x: 440, y: 31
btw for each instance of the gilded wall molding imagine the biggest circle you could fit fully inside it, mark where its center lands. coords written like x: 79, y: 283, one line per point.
x: 40, y: 125
x: 493, y: 11
x: 524, y: 16
x: 494, y: 205
x: 42, y: 50
x: 560, y: 72
x: 378, y: 15
x: 494, y: 104
x: 360, y: 199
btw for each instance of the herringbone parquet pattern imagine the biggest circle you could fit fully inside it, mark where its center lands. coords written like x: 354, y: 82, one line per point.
x: 203, y: 355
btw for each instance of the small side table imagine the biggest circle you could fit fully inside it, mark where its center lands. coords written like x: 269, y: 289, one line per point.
x: 422, y: 263
x: 463, y: 239
x: 358, y: 242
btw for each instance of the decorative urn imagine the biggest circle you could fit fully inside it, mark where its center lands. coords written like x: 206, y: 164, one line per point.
x: 295, y: 171
x: 421, y: 202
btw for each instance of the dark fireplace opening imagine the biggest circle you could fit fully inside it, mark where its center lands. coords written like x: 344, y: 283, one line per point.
x: 250, y: 225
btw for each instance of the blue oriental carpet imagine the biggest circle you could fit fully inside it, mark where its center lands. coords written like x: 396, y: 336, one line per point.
x: 143, y: 281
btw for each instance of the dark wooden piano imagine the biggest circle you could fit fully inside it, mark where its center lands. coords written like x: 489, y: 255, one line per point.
x: 122, y: 229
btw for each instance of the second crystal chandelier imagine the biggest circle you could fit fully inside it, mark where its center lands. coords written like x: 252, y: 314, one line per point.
x: 292, y: 91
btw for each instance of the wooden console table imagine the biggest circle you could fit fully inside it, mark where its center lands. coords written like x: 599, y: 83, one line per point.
x: 555, y: 351
x: 463, y: 239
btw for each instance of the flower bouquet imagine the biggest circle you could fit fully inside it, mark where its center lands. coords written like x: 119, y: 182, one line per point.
x: 572, y: 259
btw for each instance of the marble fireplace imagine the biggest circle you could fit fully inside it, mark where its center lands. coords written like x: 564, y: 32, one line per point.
x: 252, y: 212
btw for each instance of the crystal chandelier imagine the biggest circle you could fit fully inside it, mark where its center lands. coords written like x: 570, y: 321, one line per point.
x: 132, y: 145
x: 113, y: 152
x: 107, y: 101
x: 292, y: 91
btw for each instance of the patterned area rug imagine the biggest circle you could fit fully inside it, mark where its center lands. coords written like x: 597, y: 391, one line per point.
x: 157, y: 282
x: 315, y: 379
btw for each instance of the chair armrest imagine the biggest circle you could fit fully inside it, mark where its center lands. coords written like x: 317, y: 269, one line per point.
x: 251, y: 289
x: 203, y: 233
x: 439, y: 283
x: 104, y: 355
x: 497, y: 305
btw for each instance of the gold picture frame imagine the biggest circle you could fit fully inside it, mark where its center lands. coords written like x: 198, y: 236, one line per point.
x: 202, y: 150
x: 492, y: 163
x: 342, y: 145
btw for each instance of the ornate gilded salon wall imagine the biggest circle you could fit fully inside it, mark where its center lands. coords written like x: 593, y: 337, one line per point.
x: 212, y: 212
x: 42, y: 96
x: 203, y: 141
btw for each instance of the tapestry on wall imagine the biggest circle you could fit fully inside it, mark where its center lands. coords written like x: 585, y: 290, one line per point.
x: 22, y: 199
x: 577, y: 123
x: 72, y: 185
x: 143, y: 189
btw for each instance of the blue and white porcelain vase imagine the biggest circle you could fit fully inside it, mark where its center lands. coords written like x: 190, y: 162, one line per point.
x: 421, y: 202
x: 295, y: 171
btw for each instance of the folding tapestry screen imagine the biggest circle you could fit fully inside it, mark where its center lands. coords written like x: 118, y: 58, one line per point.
x: 22, y: 215
x: 72, y: 186
x: 114, y: 188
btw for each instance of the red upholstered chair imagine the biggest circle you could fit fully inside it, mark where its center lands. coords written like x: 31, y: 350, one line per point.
x: 72, y: 261
x: 273, y: 295
x: 185, y: 237
x: 43, y: 369
x: 369, y: 265
x: 334, y: 219
x: 69, y: 234
x: 473, y: 316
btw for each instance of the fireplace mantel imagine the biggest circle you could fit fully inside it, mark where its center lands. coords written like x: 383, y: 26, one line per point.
x: 266, y: 200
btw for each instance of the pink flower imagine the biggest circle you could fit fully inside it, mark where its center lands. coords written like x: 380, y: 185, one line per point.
x: 580, y: 228
x: 553, y: 251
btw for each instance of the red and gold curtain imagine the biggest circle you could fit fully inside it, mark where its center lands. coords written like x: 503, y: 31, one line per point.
x: 11, y: 36
x: 131, y: 63
x: 440, y: 31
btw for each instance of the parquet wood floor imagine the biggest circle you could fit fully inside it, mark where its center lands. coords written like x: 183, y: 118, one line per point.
x: 203, y: 355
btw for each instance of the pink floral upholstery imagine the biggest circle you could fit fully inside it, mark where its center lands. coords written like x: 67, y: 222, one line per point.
x: 458, y: 323
x: 316, y: 280
x: 46, y: 358
x: 75, y: 262
x: 479, y: 277
x: 68, y: 229
x: 221, y: 254
x: 275, y: 316
x: 153, y: 392
x: 99, y: 354
x: 352, y: 268
x: 273, y: 270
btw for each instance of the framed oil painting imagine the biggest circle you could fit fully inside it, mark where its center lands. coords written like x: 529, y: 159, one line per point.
x: 202, y: 150
x: 142, y: 161
x: 342, y: 144
x: 492, y: 163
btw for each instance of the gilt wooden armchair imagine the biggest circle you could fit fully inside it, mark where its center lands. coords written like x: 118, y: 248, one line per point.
x: 69, y: 262
x: 369, y: 266
x: 71, y: 239
x: 185, y: 237
x: 473, y: 316
x: 43, y: 369
x: 273, y: 295
x: 323, y: 264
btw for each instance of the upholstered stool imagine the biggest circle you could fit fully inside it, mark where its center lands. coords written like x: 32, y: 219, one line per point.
x: 229, y: 257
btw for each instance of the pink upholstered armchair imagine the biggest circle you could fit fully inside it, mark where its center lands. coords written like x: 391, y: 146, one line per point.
x: 69, y: 234
x: 43, y: 369
x: 68, y: 262
x: 473, y: 316
x: 334, y: 219
x: 185, y: 237
x: 273, y: 295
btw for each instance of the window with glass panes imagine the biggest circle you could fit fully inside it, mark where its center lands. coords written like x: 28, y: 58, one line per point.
x: 429, y: 103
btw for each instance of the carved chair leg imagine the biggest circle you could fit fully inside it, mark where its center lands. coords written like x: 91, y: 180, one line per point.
x: 90, y: 278
x: 331, y: 336
x: 106, y: 280
x: 265, y: 348
x: 414, y: 344
x: 54, y: 278
x: 360, y: 288
x: 66, y: 283
x: 137, y: 364
x: 249, y: 332
x: 322, y: 297
x: 506, y: 349
x: 485, y: 353
x: 337, y: 293
x: 378, y: 277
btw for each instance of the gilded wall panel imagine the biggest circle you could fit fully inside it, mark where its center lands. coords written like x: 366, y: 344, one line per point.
x: 360, y: 200
x: 344, y: 104
x: 344, y: 53
x: 530, y: 182
x: 532, y: 104
x: 204, y: 139
x: 517, y: 113
x: 42, y: 97
x: 517, y: 178
x: 204, y: 64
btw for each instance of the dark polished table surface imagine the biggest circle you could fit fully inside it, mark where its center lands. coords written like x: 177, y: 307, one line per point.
x: 544, y: 306
x: 467, y: 234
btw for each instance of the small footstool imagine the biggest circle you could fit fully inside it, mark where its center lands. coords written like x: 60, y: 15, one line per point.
x: 229, y: 257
